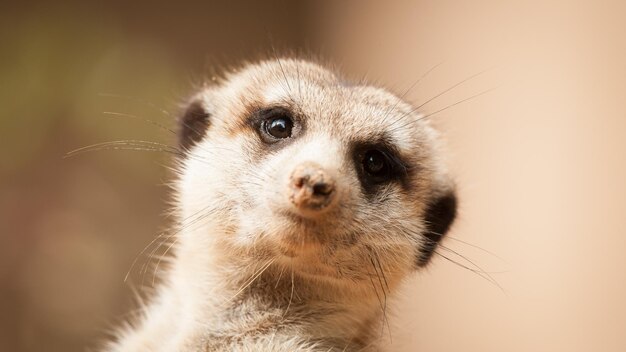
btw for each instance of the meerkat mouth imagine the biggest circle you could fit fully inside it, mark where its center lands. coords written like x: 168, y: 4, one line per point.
x: 306, y: 262
x: 302, y: 232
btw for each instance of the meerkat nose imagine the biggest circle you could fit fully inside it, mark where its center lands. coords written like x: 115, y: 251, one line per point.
x: 311, y: 187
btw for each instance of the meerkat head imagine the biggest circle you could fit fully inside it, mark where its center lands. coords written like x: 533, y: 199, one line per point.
x: 286, y: 161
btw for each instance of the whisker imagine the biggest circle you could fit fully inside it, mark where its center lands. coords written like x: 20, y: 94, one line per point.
x: 452, y: 87
x: 132, y: 265
x: 470, y: 261
x: 130, y: 142
x: 141, y: 145
x: 459, y: 102
x: 291, y: 294
x: 154, y: 123
x: 156, y: 268
x: 154, y: 107
x: 280, y: 64
x: 130, y: 148
x: 472, y: 270
x: 200, y: 213
x: 408, y: 123
x: 385, y: 319
x: 449, y: 237
x: 280, y: 275
x: 477, y: 247
x: 383, y: 306
x: 377, y: 257
x: 138, y: 100
x: 408, y: 90
x: 254, y: 277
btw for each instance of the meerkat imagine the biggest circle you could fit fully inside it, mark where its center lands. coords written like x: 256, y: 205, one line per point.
x: 303, y: 201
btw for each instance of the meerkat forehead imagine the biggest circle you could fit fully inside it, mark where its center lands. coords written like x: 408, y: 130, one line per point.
x: 328, y: 102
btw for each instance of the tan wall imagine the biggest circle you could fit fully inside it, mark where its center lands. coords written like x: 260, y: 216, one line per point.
x: 540, y: 164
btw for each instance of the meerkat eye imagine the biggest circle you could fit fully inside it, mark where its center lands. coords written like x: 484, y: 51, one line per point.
x: 279, y: 127
x: 277, y: 124
x: 377, y: 165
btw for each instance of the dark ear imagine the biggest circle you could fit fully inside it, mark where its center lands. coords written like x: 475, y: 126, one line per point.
x: 439, y: 217
x: 193, y: 124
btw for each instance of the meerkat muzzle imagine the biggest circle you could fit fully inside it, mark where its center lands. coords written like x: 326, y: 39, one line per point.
x: 311, y: 187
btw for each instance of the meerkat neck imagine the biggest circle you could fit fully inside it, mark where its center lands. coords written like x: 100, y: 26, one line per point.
x: 247, y: 292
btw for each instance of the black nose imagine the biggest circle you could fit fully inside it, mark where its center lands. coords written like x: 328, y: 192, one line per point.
x: 322, y: 188
x: 311, y: 187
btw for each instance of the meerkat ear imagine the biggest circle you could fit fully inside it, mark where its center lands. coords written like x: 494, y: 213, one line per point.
x: 193, y: 124
x: 439, y: 217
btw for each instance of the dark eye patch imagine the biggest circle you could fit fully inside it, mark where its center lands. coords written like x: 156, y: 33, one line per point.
x: 378, y: 164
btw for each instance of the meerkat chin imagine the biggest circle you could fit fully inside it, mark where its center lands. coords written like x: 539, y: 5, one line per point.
x: 302, y: 199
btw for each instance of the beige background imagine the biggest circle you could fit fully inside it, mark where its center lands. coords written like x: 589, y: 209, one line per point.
x: 540, y: 166
x: 539, y: 161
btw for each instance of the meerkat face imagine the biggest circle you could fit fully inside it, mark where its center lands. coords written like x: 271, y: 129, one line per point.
x: 286, y: 161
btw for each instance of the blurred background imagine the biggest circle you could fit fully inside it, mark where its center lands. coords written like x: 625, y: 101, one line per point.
x: 540, y: 161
